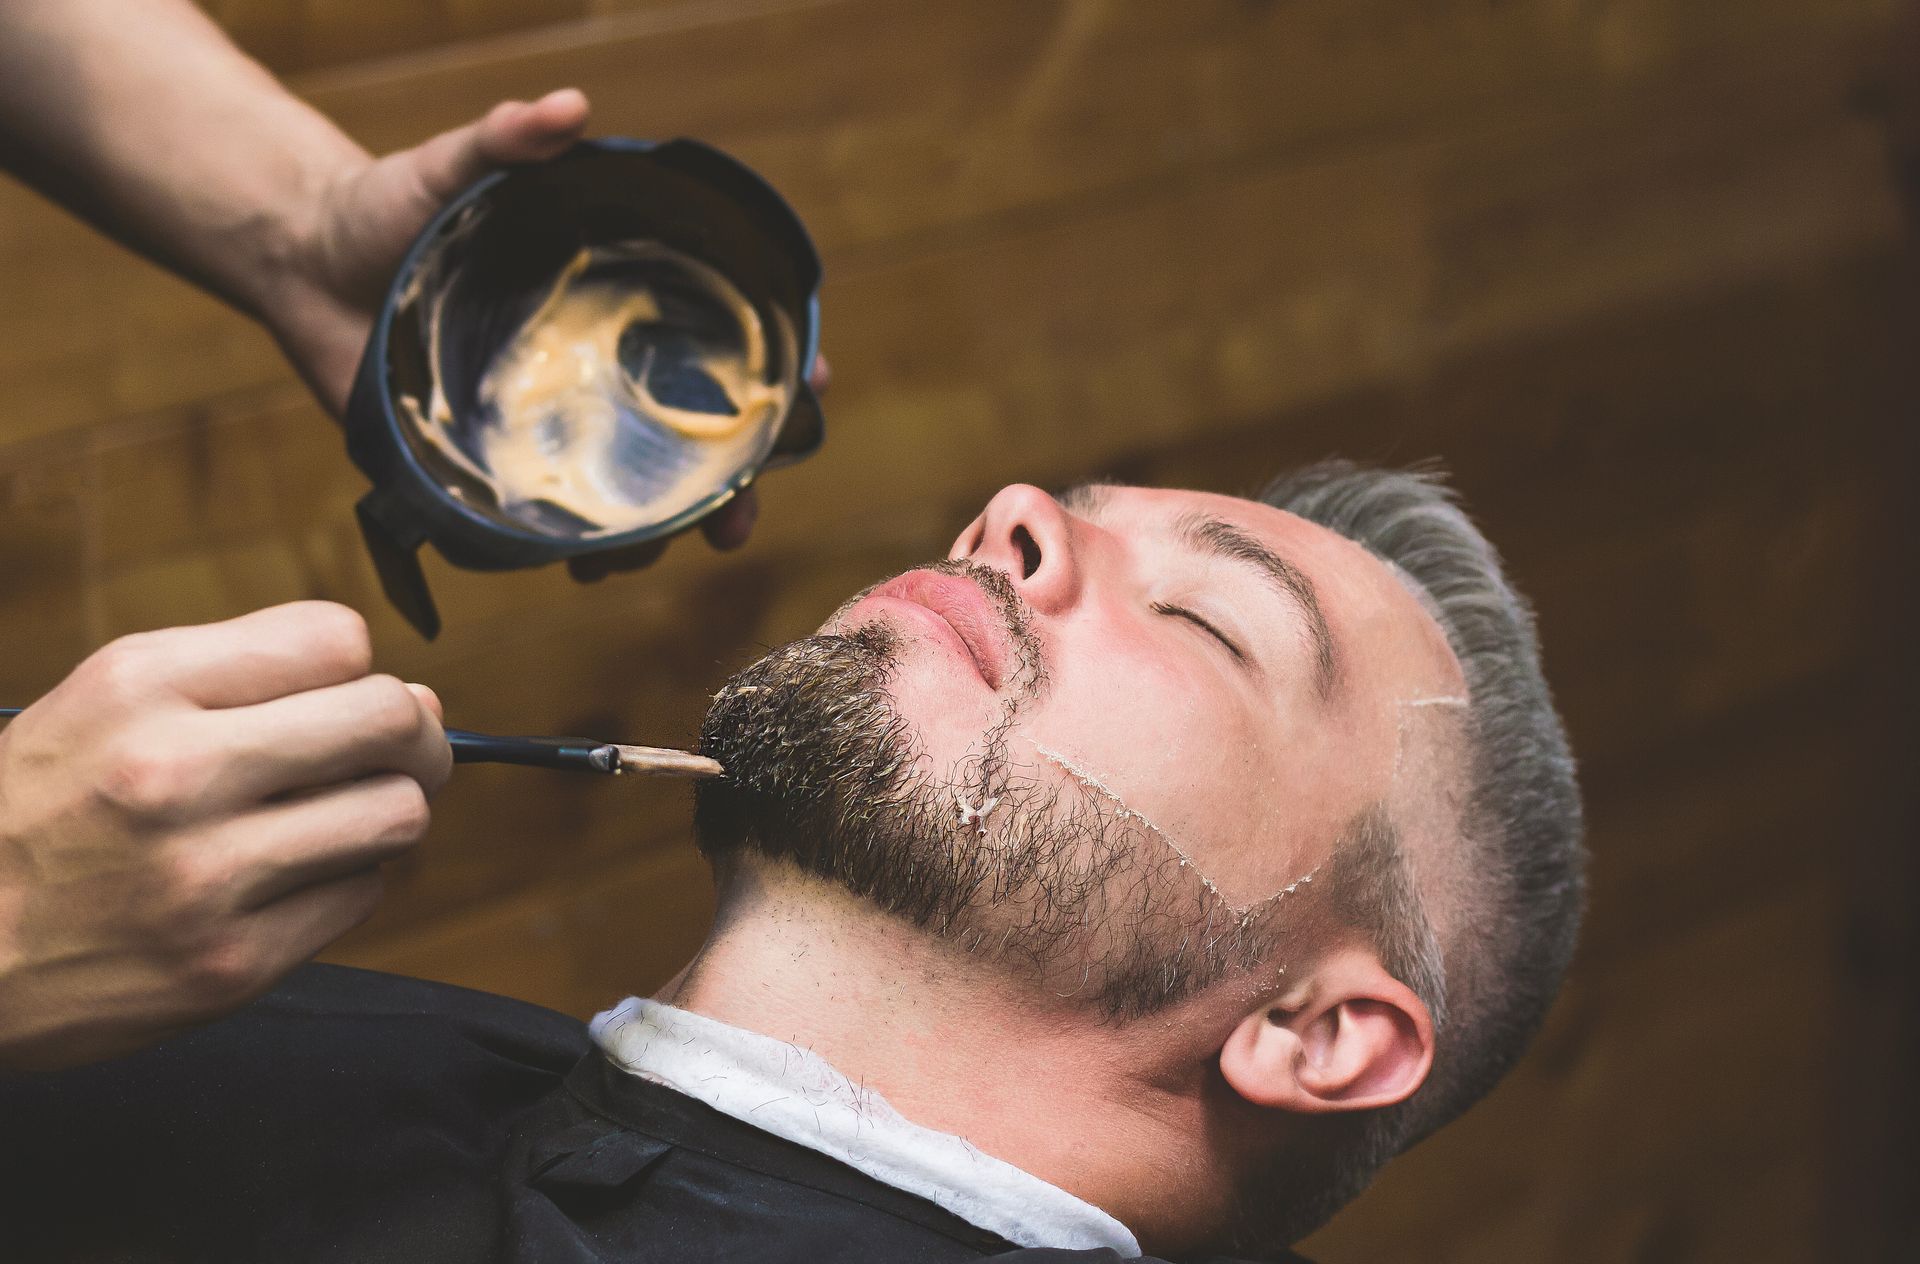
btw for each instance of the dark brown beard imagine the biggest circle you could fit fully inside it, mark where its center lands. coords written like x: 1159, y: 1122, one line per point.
x: 823, y: 772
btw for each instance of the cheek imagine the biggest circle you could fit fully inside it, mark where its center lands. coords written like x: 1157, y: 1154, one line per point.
x: 948, y: 715
x: 1163, y: 733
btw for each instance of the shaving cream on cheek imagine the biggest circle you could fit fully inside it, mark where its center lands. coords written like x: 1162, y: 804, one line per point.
x: 1102, y: 790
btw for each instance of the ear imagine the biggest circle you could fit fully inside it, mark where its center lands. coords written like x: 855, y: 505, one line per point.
x: 1349, y: 1037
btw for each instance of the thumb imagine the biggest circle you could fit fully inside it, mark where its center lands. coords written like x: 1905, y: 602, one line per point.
x: 511, y: 132
x: 430, y: 700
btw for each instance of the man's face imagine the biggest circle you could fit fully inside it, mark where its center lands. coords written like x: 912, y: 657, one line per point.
x: 1172, y: 703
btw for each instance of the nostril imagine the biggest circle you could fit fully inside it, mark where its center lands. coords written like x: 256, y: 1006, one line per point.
x: 1029, y: 552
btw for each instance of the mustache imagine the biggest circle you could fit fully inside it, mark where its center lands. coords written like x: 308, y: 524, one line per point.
x: 1016, y: 618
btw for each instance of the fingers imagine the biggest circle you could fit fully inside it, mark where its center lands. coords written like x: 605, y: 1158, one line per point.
x: 729, y: 526
x: 820, y: 376
x: 594, y: 567
x: 515, y: 131
x: 259, y: 656
x: 512, y: 131
x: 318, y: 738
x: 726, y: 528
x: 430, y: 700
x: 292, y: 929
x: 266, y: 855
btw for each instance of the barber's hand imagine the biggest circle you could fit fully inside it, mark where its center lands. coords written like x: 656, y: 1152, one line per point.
x: 341, y: 255
x: 190, y: 815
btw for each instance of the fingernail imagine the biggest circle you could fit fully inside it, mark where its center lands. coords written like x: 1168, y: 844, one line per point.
x: 428, y: 699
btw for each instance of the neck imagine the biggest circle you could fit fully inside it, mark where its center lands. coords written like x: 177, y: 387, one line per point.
x: 955, y: 1045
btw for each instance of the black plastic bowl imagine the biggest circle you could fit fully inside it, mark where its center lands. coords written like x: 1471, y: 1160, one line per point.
x: 490, y: 257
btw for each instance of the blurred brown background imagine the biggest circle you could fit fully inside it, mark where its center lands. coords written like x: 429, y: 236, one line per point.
x: 1640, y: 271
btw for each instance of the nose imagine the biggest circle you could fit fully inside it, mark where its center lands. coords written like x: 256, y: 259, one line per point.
x: 1024, y: 533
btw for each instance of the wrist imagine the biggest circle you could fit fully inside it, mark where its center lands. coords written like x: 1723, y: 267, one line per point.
x: 286, y: 260
x: 295, y: 289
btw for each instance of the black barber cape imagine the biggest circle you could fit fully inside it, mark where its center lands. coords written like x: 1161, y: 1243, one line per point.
x: 364, y: 1118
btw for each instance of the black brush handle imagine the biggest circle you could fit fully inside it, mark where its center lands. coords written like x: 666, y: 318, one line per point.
x: 571, y: 753
x: 567, y: 753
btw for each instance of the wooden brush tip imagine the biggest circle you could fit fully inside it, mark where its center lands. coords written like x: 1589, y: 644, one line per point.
x: 662, y: 761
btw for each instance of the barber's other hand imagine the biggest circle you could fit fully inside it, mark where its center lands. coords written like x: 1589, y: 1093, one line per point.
x: 339, y: 255
x: 190, y: 815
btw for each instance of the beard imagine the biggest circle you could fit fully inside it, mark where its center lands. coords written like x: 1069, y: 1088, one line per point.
x: 824, y: 773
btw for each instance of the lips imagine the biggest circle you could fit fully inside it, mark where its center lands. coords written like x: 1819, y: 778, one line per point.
x: 959, y: 609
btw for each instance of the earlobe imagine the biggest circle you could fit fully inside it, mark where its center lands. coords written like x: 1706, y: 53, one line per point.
x: 1352, y: 1037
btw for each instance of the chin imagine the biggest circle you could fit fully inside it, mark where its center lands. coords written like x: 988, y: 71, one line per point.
x: 948, y: 714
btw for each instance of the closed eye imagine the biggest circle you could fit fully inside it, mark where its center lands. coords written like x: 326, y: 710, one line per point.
x: 1181, y: 612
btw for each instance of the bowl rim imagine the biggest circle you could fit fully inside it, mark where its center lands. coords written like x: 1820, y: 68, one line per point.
x: 807, y: 349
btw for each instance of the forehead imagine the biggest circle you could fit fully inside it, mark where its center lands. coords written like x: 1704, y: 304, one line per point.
x: 1384, y: 634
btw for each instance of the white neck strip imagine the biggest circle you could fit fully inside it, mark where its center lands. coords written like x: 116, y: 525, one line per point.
x: 794, y: 1093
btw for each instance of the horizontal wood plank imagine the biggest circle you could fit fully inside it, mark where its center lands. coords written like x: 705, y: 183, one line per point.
x: 292, y: 37
x: 895, y: 129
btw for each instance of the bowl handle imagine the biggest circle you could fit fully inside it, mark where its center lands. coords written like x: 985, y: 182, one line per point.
x: 396, y: 558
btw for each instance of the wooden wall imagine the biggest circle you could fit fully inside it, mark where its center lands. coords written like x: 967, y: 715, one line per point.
x: 1639, y: 270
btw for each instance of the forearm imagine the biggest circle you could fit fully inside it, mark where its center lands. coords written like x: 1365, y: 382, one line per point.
x: 142, y: 117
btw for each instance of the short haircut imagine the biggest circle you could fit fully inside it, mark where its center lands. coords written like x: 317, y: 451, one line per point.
x: 1519, y: 833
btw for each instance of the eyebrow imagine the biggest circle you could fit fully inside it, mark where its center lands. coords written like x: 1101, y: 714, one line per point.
x: 1085, y: 499
x: 1222, y: 539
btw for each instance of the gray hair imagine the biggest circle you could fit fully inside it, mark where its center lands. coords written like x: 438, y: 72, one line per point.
x: 1519, y: 832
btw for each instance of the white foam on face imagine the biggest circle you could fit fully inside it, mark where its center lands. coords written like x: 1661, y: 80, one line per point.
x: 975, y: 814
x: 1126, y: 811
x: 1449, y: 701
